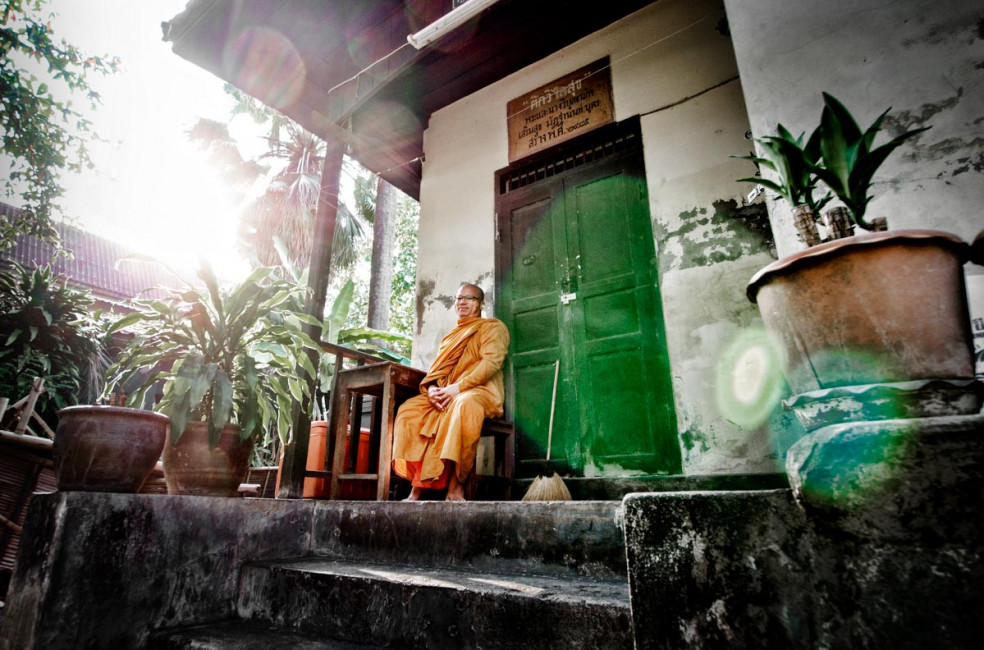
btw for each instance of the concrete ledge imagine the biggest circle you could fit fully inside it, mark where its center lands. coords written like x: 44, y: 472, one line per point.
x: 569, y: 537
x: 101, y: 570
x: 918, y: 480
x: 410, y: 606
x: 754, y: 570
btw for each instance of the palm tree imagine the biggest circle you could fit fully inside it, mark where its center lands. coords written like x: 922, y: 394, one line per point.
x: 384, y: 232
x: 376, y: 202
x: 287, y: 206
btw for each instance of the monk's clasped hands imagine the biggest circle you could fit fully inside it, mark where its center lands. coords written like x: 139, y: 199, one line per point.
x: 441, y: 397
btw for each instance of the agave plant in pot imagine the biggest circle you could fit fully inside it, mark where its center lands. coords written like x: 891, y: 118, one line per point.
x: 795, y: 167
x: 228, y: 361
x: 874, y: 325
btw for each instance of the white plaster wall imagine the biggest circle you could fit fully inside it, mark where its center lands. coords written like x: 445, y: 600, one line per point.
x: 921, y: 57
x: 672, y: 66
x: 705, y: 309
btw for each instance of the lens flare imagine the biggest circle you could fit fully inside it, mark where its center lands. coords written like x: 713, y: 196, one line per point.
x: 749, y: 379
x: 265, y: 64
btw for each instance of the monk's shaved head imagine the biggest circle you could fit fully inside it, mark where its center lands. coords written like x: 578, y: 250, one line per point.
x: 478, y: 290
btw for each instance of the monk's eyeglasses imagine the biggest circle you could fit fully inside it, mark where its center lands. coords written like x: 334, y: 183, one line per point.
x: 462, y: 298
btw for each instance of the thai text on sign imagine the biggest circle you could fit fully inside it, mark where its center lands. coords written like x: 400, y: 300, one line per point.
x: 560, y: 110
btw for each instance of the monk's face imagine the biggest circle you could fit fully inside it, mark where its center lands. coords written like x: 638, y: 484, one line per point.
x: 467, y: 302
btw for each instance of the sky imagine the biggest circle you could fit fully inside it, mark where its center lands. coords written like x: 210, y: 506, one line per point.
x: 152, y: 189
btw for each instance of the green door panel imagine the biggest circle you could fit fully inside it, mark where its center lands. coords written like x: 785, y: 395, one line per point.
x: 586, y: 234
x: 533, y: 233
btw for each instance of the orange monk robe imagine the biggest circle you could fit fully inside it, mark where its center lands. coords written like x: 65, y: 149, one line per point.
x: 471, y: 355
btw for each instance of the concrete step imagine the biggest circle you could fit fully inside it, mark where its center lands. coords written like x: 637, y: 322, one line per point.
x: 566, y: 538
x: 240, y: 635
x: 436, y: 607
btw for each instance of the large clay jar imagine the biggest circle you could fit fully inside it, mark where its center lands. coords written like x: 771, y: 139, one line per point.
x: 190, y: 467
x: 873, y: 313
x: 107, y: 448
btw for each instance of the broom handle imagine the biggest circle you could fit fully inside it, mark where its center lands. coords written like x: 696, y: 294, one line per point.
x: 553, y: 403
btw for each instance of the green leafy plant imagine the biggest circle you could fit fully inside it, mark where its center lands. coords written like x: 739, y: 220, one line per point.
x: 223, y: 355
x: 43, y: 135
x: 850, y: 159
x: 333, y: 329
x: 46, y: 330
x: 795, y: 165
x: 362, y: 339
x: 838, y: 154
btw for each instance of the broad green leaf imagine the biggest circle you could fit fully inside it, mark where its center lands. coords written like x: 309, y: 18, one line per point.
x: 833, y: 147
x: 761, y: 162
x: 849, y: 128
x: 13, y: 336
x: 125, y: 321
x: 340, y: 307
x: 201, y: 382
x: 868, y: 139
x: 296, y: 390
x: 764, y: 182
x: 180, y: 413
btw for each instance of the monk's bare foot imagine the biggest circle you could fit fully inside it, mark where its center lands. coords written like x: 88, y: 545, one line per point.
x: 415, y: 494
x: 455, y: 495
x: 456, y: 491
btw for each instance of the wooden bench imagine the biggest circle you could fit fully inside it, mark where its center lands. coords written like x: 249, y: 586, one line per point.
x: 499, y: 484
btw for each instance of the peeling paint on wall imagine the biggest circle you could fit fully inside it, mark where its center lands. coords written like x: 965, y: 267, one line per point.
x: 902, y: 121
x: 445, y: 299
x: 968, y: 164
x: 424, y: 290
x: 924, y: 148
x: 724, y: 233
x: 694, y: 438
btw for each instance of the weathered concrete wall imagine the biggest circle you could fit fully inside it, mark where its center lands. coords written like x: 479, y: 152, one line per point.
x: 883, y: 548
x: 921, y: 57
x: 100, y: 570
x: 672, y: 65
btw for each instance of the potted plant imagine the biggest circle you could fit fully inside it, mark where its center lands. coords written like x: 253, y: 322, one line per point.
x: 873, y: 325
x: 228, y: 361
x: 794, y: 165
x: 48, y: 332
x: 105, y: 448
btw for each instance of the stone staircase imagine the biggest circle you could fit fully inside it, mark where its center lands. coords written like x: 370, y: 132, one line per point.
x: 437, y: 575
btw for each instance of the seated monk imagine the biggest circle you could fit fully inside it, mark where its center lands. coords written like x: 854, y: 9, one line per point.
x: 437, y: 432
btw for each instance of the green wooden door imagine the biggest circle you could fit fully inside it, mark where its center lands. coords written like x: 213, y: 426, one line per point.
x: 576, y: 277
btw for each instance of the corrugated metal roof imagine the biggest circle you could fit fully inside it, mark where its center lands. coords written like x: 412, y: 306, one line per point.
x: 111, y: 271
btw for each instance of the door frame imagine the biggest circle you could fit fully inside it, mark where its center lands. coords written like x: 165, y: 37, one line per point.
x: 611, y: 143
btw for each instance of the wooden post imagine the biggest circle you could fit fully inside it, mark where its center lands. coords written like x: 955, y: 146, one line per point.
x: 295, y: 453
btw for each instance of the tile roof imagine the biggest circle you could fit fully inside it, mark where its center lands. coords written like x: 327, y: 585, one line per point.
x: 98, y: 265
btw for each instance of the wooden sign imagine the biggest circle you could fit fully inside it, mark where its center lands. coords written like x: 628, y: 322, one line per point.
x: 560, y: 110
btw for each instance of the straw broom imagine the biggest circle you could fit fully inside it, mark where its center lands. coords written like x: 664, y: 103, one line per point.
x: 549, y: 488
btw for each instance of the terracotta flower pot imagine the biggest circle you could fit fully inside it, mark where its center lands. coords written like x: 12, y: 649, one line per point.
x: 107, y: 448
x: 877, y: 308
x: 190, y: 467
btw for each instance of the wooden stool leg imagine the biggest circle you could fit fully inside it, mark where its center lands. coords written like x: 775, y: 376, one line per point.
x: 386, y: 440
x: 341, y: 401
